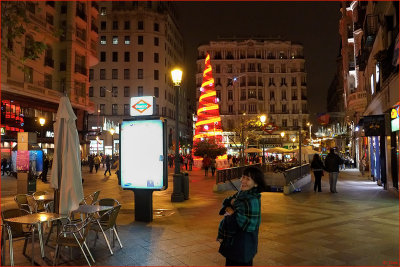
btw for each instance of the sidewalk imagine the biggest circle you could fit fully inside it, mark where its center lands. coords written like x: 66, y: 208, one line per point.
x: 357, y: 226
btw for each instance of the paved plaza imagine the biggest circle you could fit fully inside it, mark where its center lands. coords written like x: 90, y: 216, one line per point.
x: 358, y: 226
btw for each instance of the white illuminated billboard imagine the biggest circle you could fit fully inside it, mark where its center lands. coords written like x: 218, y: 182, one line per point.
x: 142, y: 153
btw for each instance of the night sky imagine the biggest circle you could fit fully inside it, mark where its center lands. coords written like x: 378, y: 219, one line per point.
x: 313, y: 24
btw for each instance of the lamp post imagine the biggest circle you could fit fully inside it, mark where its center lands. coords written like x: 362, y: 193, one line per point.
x: 42, y: 121
x: 309, y: 125
x: 293, y: 139
x: 263, y: 118
x: 282, y: 135
x: 177, y: 195
x: 112, y: 131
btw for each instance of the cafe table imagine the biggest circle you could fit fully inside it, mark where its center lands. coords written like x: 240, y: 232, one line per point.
x: 36, y: 220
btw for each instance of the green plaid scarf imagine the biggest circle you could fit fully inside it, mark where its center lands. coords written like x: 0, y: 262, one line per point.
x: 247, y: 215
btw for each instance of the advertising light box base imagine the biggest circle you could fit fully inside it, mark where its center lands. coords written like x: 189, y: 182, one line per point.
x: 143, y: 154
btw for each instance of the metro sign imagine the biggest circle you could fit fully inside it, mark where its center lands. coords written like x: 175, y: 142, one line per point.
x: 269, y: 127
x: 141, y: 106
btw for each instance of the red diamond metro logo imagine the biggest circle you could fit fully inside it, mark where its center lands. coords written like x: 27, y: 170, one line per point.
x: 141, y: 106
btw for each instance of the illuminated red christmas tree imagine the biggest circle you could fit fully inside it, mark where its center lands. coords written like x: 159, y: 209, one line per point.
x: 208, y: 123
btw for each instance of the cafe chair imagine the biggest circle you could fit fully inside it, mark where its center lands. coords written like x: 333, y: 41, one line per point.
x: 25, y: 202
x: 107, y: 202
x: 90, y: 199
x: 14, y: 231
x: 107, y: 221
x: 74, y: 235
x: 40, y: 204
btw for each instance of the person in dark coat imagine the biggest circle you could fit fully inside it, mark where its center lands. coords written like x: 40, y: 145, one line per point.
x: 238, y: 230
x: 3, y: 165
x: 332, y: 163
x: 318, y: 168
x: 108, y: 165
x: 46, y: 164
x: 91, y: 163
x: 206, y: 164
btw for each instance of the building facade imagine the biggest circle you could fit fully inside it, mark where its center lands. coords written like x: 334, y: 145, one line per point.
x: 139, y: 44
x: 31, y: 88
x: 372, y: 28
x: 255, y: 77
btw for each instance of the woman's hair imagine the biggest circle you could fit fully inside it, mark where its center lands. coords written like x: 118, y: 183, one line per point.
x: 316, y: 157
x: 257, y: 175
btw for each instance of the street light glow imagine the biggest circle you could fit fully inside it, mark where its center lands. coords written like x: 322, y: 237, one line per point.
x: 293, y: 139
x: 283, y: 134
x: 176, y: 76
x: 263, y: 118
x: 112, y: 131
x: 42, y: 121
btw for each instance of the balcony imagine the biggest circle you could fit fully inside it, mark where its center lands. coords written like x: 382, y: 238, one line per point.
x: 243, y: 84
x: 252, y: 84
x: 270, y: 57
x: 303, y: 84
x: 271, y: 84
x: 294, y: 97
x: 229, y: 57
x: 49, y: 62
x: 294, y: 84
x: 80, y: 69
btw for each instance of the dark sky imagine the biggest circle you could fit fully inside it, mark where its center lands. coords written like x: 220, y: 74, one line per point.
x: 314, y: 24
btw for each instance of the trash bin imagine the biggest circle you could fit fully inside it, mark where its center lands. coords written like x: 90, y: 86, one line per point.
x: 31, y: 183
x: 185, y: 185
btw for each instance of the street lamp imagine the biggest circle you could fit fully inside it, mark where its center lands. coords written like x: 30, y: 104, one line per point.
x: 42, y: 121
x: 309, y: 125
x: 112, y: 131
x: 263, y: 119
x: 282, y: 135
x: 293, y: 140
x: 177, y: 195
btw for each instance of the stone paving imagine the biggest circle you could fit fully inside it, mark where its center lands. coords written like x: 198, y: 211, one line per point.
x: 359, y: 226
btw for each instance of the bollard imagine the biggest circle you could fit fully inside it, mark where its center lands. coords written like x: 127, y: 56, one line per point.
x: 177, y: 195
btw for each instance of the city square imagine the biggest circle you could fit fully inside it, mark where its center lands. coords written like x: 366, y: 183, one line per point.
x: 156, y: 133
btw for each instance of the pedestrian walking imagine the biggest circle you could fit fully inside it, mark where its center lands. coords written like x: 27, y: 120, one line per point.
x: 363, y: 164
x: 46, y: 164
x: 206, y: 164
x: 190, y: 162
x: 186, y: 161
x: 238, y: 230
x: 3, y: 166
x: 91, y: 163
x: 332, y: 163
x: 97, y: 161
x: 108, y: 165
x: 318, y: 169
x: 213, y: 166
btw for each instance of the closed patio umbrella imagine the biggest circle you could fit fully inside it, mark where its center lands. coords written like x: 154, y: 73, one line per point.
x: 252, y: 150
x: 66, y: 175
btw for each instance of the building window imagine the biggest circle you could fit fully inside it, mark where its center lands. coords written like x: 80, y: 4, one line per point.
x: 283, y: 81
x: 28, y: 75
x: 103, y: 25
x: 114, y: 91
x: 115, y: 56
x: 156, y: 75
x: 230, y: 109
x: 127, y: 56
x: 230, y: 95
x: 140, y: 25
x: 252, y: 93
x: 102, y: 74
x: 229, y: 69
x: 260, y: 95
x: 91, y: 74
x: 103, y: 40
x: 114, y: 74
x: 140, y: 74
x: 102, y: 56
x: 103, y: 11
x: 156, y: 58
x: 127, y: 25
x: 127, y: 39
x: 140, y: 56
x: 243, y: 94
x: 294, y: 94
x: 272, y: 95
x: 140, y: 90
x: 283, y: 108
x: 102, y: 91
x: 284, y: 95
x: 272, y: 108
x: 91, y: 91
x: 115, y: 40
x: 114, y: 109
x: 284, y: 122
x: 242, y: 108
x: 140, y: 39
x: 252, y: 108
x: 126, y: 109
x: 127, y: 91
x: 48, y: 81
x: 156, y: 27
x: 295, y: 122
x: 218, y: 92
x: 127, y: 74
x: 271, y: 68
x: 271, y: 81
x: 294, y: 81
x: 156, y: 41
x: 115, y: 25
x: 156, y: 92
x: 102, y: 109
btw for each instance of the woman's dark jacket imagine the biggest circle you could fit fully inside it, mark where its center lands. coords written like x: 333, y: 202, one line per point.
x: 238, y: 232
x: 317, y: 165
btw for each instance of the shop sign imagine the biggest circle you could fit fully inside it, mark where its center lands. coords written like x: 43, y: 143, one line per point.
x: 394, y: 115
x: 3, y: 130
x: 50, y: 134
x: 374, y: 125
x: 269, y: 128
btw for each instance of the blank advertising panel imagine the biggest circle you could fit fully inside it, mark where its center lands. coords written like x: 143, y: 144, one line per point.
x: 142, y: 154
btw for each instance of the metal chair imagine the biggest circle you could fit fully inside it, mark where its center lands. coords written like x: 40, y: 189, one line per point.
x: 90, y: 199
x: 107, y: 221
x: 40, y: 204
x: 25, y: 202
x: 107, y: 202
x: 14, y: 231
x: 74, y: 235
